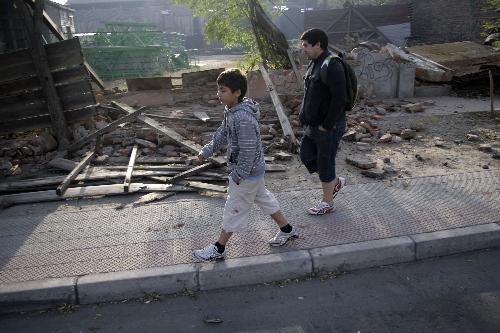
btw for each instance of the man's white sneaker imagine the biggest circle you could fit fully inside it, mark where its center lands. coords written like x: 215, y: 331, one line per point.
x: 209, y: 253
x: 321, y: 209
x: 282, y: 237
x: 338, y: 187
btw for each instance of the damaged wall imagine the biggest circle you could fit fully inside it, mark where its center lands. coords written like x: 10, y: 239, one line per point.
x: 441, y: 21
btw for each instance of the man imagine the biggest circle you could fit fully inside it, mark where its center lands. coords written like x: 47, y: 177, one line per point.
x: 323, y: 112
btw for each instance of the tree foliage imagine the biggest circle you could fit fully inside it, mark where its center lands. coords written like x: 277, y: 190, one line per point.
x: 228, y: 22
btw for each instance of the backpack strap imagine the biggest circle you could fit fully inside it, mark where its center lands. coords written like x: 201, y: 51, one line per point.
x: 324, y: 67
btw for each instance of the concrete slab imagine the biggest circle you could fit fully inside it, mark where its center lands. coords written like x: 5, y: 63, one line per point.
x: 446, y: 242
x: 134, y: 284
x: 364, y: 254
x: 38, y: 294
x: 253, y: 270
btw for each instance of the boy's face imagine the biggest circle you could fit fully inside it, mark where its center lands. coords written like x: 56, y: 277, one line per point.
x: 228, y: 97
x: 311, y: 51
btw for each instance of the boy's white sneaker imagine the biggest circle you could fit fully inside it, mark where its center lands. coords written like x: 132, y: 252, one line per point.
x: 282, y: 237
x: 209, y: 253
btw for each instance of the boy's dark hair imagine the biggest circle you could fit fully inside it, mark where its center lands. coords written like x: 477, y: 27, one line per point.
x: 234, y: 80
x: 314, y: 35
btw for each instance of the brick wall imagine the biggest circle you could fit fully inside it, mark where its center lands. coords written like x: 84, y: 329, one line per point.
x: 441, y: 21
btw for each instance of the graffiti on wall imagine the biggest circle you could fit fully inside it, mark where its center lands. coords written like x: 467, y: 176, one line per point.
x: 377, y: 73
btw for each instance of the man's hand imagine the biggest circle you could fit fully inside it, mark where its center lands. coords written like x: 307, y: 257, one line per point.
x: 322, y: 129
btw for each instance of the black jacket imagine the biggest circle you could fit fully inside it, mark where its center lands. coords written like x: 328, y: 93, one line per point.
x: 324, y: 104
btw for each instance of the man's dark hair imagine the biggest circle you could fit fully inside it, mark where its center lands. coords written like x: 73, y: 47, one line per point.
x: 313, y: 36
x: 234, y: 80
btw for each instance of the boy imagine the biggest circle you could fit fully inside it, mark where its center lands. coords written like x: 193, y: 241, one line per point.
x: 245, y: 158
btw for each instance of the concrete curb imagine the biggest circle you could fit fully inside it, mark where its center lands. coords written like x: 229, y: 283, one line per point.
x: 37, y: 294
x: 363, y: 255
x: 114, y: 286
x: 446, y: 242
x: 253, y: 270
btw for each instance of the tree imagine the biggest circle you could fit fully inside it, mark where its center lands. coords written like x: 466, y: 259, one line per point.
x: 233, y: 23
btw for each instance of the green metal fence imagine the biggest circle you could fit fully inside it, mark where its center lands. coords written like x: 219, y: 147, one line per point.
x: 130, y: 49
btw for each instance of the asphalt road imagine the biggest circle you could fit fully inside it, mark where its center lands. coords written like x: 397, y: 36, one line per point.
x: 453, y: 294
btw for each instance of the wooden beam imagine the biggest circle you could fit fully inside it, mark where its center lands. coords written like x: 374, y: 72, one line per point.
x: 201, y: 115
x: 188, y: 144
x: 190, y: 172
x: 90, y: 191
x: 285, y: 123
x: 39, y: 57
x: 295, y: 69
x: 130, y: 168
x: 59, y: 35
x: 368, y: 23
x: 110, y: 127
x: 72, y: 175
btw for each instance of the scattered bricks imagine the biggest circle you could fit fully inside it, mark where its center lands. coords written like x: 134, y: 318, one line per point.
x: 396, y: 139
x: 104, y: 158
x: 414, y: 107
x: 390, y: 171
x: 442, y: 144
x: 375, y: 173
x: 362, y: 146
x: 361, y: 162
x: 46, y: 142
x: 408, y: 134
x: 283, y: 156
x: 472, y: 137
x: 349, y: 136
x: 418, y: 127
x: 386, y: 138
x: 486, y: 148
x: 145, y: 143
x: 395, y: 131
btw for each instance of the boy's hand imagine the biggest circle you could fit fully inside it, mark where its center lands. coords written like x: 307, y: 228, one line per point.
x: 200, y: 160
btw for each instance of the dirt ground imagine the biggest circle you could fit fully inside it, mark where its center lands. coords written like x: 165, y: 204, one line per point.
x: 440, y: 148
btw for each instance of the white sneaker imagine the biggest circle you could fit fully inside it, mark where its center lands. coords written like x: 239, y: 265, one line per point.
x: 338, y: 187
x: 209, y: 253
x: 321, y: 209
x: 282, y: 237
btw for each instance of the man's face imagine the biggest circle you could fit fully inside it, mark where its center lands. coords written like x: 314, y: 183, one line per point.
x: 228, y: 97
x: 311, y: 51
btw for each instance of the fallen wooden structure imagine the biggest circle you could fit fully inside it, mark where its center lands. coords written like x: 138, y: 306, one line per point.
x: 160, y: 176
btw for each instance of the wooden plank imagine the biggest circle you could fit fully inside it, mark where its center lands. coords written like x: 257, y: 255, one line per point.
x: 89, y: 191
x: 190, y: 145
x: 110, y: 127
x: 152, y: 197
x: 94, y: 174
x: 206, y: 186
x: 295, y: 69
x: 190, y: 172
x: 44, y: 121
x: 72, y: 175
x: 285, y: 123
x: 40, y: 60
x: 130, y: 168
x: 203, y: 116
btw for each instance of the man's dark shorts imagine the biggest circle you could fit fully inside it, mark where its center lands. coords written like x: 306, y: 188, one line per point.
x: 318, y: 150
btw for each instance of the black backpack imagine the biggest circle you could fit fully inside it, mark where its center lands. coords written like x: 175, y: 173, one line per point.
x: 350, y: 78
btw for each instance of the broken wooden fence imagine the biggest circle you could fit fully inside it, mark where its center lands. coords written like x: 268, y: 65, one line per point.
x: 23, y: 105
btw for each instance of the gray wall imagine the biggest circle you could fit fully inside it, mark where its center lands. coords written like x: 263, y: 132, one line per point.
x: 441, y: 21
